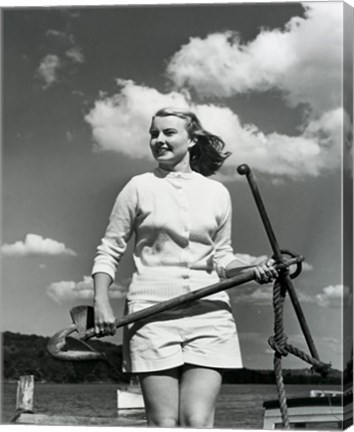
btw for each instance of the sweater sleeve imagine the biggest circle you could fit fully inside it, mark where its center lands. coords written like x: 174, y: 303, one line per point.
x: 118, y: 232
x: 223, y: 249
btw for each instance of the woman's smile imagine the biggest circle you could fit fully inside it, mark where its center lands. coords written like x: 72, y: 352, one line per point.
x: 161, y: 150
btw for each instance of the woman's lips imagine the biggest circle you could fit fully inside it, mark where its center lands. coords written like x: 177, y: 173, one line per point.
x: 161, y: 150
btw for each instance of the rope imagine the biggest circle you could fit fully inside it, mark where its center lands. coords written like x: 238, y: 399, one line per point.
x: 281, y: 348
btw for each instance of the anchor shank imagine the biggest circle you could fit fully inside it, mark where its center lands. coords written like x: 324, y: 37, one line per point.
x: 263, y: 213
x: 286, y: 281
x: 246, y: 276
x: 57, y: 345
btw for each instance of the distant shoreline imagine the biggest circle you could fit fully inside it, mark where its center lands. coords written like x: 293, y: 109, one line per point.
x: 28, y: 355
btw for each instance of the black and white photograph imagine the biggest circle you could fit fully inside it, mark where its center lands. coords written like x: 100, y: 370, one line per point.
x: 177, y: 215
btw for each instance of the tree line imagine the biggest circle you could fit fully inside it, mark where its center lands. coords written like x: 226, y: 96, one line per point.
x: 27, y: 355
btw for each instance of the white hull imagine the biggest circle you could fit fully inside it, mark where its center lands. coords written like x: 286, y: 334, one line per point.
x: 325, y: 411
x: 129, y: 400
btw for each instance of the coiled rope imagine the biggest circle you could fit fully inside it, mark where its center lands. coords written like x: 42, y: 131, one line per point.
x: 281, y: 348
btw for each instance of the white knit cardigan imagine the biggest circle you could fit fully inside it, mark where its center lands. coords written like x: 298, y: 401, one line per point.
x: 182, y: 227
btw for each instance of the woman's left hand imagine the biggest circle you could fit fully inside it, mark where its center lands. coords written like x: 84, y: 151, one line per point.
x: 266, y: 272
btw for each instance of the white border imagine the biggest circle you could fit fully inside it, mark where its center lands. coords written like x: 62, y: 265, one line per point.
x: 60, y: 3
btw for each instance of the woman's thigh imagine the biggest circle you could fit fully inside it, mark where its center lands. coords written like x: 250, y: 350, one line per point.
x: 161, y: 397
x: 199, y: 388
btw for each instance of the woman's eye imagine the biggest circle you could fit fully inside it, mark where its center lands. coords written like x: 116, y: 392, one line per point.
x: 155, y: 134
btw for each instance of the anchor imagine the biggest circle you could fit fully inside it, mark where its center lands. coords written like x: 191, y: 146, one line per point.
x: 69, y: 344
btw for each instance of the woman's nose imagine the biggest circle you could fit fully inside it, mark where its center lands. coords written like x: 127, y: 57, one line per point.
x: 160, y: 137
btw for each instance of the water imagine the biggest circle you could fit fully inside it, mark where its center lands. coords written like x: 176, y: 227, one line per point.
x: 238, y: 406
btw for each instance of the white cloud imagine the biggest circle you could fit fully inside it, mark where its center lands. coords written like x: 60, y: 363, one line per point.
x: 260, y: 296
x: 307, y: 266
x: 47, y: 71
x: 316, y: 150
x: 120, y: 123
x: 334, y: 296
x: 35, y: 245
x: 75, y: 54
x: 58, y: 35
x: 304, y: 60
x: 247, y: 259
x: 68, y: 291
x: 58, y: 66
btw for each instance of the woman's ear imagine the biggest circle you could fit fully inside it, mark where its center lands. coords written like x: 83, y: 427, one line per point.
x: 192, y: 142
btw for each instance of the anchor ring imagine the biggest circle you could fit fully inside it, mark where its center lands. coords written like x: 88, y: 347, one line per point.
x: 298, y: 269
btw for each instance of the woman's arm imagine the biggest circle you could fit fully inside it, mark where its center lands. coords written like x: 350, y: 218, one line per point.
x: 104, y: 317
x: 109, y: 254
x: 118, y: 232
x: 264, y: 272
x: 226, y: 263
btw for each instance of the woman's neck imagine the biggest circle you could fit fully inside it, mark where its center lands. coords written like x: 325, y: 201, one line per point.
x: 183, y: 167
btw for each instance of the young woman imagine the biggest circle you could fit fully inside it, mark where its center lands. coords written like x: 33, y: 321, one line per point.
x: 181, y: 221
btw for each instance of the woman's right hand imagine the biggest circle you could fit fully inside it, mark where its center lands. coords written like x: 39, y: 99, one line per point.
x: 265, y: 272
x: 104, y: 318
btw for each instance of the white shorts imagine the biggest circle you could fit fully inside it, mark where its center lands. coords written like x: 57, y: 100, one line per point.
x: 203, y: 333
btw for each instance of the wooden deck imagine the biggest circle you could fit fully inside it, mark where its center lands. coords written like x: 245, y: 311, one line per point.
x: 61, y: 420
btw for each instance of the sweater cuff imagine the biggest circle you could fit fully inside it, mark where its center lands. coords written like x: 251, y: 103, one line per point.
x: 222, y: 264
x: 103, y: 268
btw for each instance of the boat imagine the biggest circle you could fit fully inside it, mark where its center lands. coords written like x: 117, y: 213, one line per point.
x: 130, y: 397
x: 320, y: 409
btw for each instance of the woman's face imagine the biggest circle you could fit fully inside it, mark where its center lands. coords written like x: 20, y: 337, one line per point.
x: 170, y: 142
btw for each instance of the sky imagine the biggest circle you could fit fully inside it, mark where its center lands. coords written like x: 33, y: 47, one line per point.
x: 80, y: 85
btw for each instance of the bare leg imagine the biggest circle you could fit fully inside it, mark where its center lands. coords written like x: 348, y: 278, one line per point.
x: 161, y: 395
x: 199, y: 388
